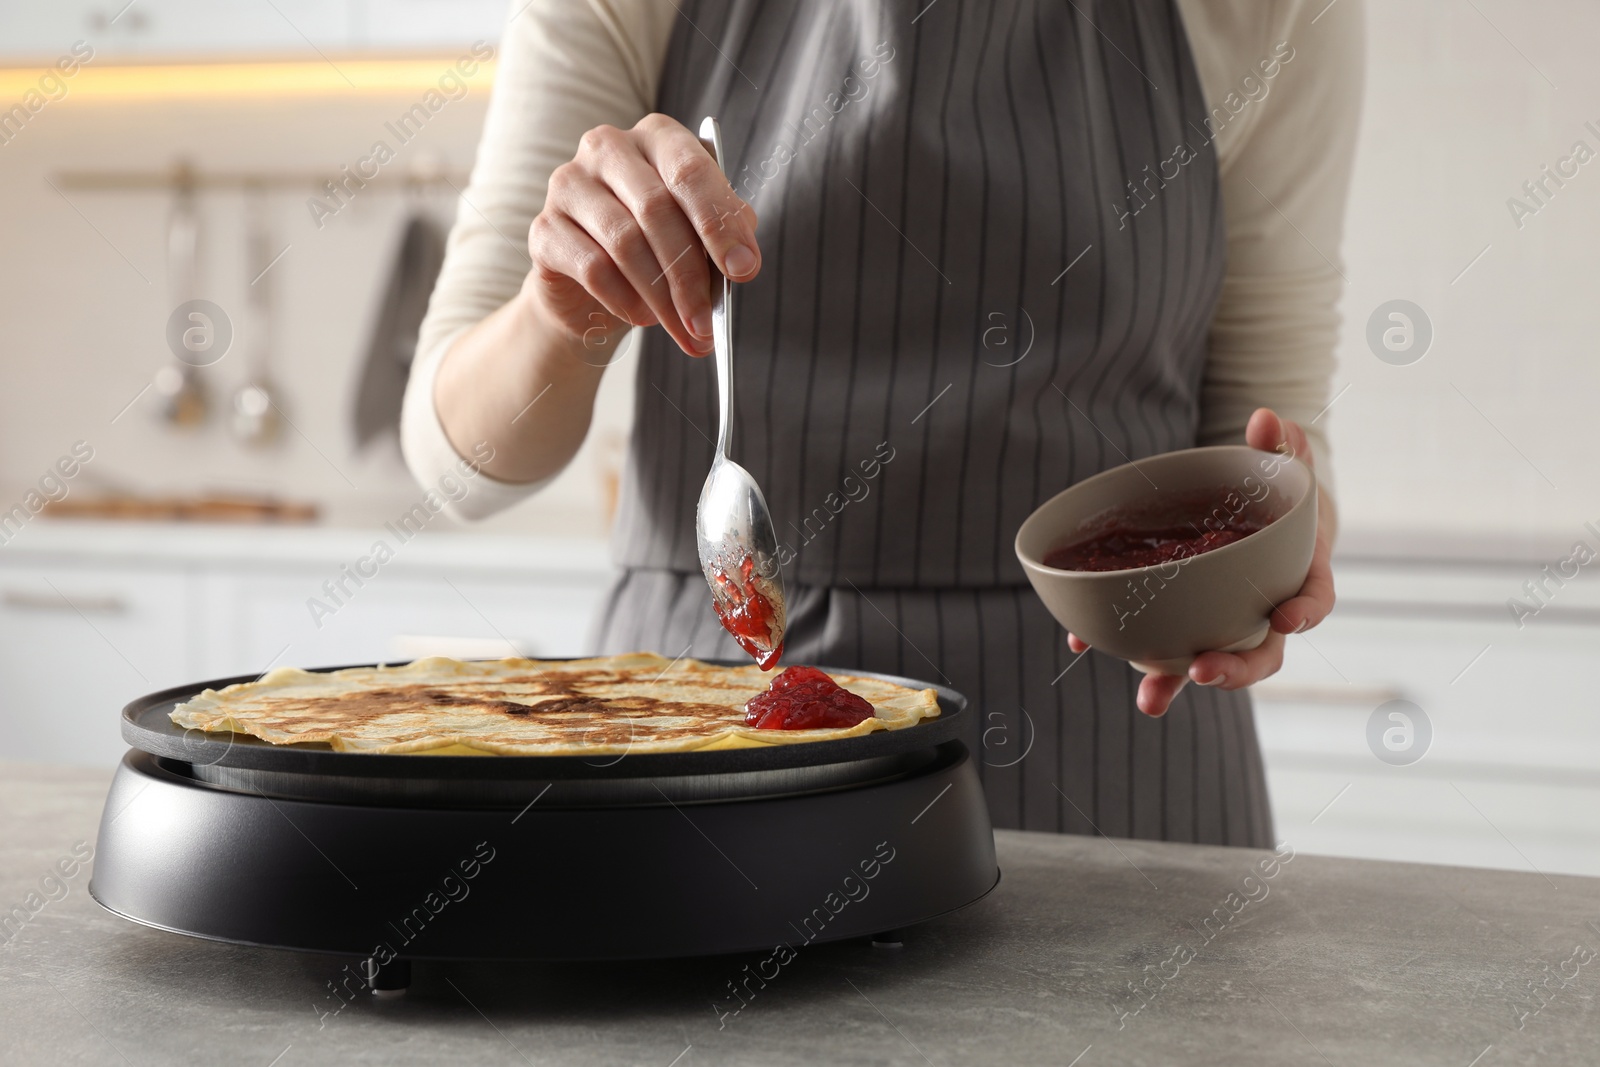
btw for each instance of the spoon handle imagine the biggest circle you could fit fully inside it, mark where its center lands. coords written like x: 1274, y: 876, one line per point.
x: 721, y: 312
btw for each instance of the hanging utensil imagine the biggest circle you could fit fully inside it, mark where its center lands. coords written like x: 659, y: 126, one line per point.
x: 255, y: 418
x: 733, y: 528
x: 180, y: 394
x: 387, y: 366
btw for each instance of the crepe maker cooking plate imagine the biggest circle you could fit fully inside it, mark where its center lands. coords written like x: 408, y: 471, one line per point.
x: 647, y: 855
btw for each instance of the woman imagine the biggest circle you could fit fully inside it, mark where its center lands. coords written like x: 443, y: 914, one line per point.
x: 1002, y: 245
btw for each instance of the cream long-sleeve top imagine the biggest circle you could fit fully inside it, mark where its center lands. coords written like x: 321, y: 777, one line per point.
x: 1282, y: 79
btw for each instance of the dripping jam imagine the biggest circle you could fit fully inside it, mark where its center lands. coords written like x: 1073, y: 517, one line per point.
x: 747, y: 613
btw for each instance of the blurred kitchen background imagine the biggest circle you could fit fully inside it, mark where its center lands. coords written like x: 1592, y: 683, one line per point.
x: 1462, y: 474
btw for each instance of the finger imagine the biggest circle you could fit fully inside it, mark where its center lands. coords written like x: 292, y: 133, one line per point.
x: 1235, y: 670
x: 1267, y: 430
x: 619, y: 164
x: 726, y: 224
x: 612, y: 226
x: 1157, y: 692
x: 1264, y: 430
x: 564, y: 251
x: 1076, y: 643
x: 1314, y: 601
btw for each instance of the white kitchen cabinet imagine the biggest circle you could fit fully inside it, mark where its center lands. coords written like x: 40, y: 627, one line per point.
x: 119, y: 31
x: 262, y: 617
x: 1511, y: 775
x: 204, y: 29
x: 94, y: 615
x: 414, y: 24
x: 77, y: 643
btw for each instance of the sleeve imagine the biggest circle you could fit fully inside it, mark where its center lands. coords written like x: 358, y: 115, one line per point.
x: 565, y: 67
x: 1285, y: 180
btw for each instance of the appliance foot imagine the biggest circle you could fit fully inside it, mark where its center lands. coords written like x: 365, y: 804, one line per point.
x: 386, y: 979
x: 889, y: 939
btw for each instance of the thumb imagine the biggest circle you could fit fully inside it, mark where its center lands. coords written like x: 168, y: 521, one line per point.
x: 1270, y: 433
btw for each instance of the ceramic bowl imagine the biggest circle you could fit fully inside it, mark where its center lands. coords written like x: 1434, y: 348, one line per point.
x: 1160, y: 617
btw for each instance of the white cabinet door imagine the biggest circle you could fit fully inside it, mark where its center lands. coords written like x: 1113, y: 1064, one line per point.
x: 79, y: 642
x: 264, y: 618
x: 412, y: 24
x: 39, y: 31
x: 118, y: 30
x: 1510, y: 775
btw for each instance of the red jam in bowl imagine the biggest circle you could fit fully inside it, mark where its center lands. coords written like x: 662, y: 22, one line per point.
x: 1171, y: 532
x: 1122, y: 549
x: 804, y: 698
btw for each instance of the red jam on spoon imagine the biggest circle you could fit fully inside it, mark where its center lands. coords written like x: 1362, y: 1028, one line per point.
x: 804, y: 698
x: 748, y: 614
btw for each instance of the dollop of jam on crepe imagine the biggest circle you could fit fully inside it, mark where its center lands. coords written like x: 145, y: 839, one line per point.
x: 614, y: 705
x: 804, y: 698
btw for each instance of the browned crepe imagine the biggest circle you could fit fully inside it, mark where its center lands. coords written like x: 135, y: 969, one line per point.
x: 615, y: 704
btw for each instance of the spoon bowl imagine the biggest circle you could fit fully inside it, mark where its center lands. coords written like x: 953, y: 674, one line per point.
x: 739, y: 557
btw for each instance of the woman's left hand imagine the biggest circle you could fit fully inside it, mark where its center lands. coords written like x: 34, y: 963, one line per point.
x: 1235, y: 670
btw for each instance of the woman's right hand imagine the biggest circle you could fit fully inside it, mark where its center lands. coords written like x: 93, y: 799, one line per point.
x: 624, y: 233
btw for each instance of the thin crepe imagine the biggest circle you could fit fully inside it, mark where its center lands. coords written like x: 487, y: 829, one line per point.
x: 639, y: 702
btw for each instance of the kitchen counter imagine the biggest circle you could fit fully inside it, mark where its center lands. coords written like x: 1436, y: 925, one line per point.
x: 499, y: 544
x: 1322, y: 960
x: 251, y: 545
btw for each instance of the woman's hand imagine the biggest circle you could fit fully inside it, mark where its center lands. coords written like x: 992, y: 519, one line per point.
x: 1235, y: 670
x: 624, y: 232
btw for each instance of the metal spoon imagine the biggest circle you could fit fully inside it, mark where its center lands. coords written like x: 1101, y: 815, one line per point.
x: 733, y: 528
x: 255, y: 411
x: 181, y: 396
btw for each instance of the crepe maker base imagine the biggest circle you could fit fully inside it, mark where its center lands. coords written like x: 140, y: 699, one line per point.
x: 531, y: 861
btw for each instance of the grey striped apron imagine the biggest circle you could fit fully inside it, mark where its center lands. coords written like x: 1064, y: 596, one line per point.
x: 974, y: 294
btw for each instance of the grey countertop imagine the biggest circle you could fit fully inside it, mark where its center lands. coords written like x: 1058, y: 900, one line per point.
x: 1324, y: 961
